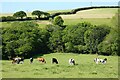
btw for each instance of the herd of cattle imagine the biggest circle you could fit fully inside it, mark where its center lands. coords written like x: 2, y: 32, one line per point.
x: 19, y: 60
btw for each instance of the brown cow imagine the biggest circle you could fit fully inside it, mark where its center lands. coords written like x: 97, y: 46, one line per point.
x: 41, y: 60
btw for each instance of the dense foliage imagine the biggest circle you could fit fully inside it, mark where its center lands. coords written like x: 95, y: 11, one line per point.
x: 110, y: 45
x: 23, y: 39
x: 26, y: 39
x: 80, y: 38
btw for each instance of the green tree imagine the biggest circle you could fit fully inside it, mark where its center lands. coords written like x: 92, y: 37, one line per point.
x: 58, y: 21
x: 94, y: 36
x: 38, y: 13
x: 69, y: 47
x: 3, y: 18
x: 20, y: 14
x: 110, y: 45
x: 55, y: 41
x: 46, y: 15
x: 73, y: 36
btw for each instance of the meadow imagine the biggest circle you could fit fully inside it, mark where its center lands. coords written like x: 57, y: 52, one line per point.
x: 85, y: 67
x: 93, y: 16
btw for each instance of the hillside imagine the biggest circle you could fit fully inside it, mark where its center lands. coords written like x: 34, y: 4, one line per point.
x: 93, y: 13
x: 94, y: 16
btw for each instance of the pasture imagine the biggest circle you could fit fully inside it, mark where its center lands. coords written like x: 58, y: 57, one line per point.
x: 94, y: 21
x: 84, y: 68
x: 93, y: 16
x: 92, y: 13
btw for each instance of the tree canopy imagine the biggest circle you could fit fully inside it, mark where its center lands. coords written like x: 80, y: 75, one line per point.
x: 20, y: 14
x: 23, y: 38
x: 37, y: 13
x: 58, y: 21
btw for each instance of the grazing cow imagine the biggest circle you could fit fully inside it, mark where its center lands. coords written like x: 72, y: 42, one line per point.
x: 103, y: 61
x: 14, y: 60
x: 96, y: 60
x: 41, y: 60
x: 71, y: 61
x: 18, y: 60
x: 54, y: 60
x: 31, y: 60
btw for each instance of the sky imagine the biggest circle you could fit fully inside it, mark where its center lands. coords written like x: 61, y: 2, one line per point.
x: 12, y: 7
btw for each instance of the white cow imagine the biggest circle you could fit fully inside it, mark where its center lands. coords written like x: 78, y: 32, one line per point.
x: 71, y: 61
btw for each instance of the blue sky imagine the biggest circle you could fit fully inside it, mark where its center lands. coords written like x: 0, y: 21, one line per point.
x: 11, y: 7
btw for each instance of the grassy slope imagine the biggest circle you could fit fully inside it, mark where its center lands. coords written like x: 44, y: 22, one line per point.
x: 85, y: 67
x: 93, y: 13
x: 94, y: 16
x: 94, y: 21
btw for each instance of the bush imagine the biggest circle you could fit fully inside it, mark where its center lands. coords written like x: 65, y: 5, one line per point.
x: 10, y: 18
x: 3, y: 18
x: 58, y: 21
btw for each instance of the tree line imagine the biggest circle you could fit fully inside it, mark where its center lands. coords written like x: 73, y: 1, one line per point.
x: 22, y: 16
x: 27, y: 39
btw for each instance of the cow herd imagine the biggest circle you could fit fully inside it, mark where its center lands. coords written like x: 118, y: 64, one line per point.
x: 20, y: 60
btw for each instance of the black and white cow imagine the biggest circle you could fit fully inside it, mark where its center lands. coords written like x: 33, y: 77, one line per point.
x: 103, y: 61
x: 71, y: 61
x: 31, y: 60
x: 97, y: 60
x: 54, y: 60
x: 18, y: 60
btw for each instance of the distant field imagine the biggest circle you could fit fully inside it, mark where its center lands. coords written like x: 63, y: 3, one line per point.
x: 84, y: 68
x: 41, y: 23
x: 107, y: 12
x: 92, y: 13
x: 94, y: 21
x: 55, y: 11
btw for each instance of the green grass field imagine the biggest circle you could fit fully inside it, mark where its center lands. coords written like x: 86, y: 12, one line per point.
x: 84, y: 68
x: 93, y: 13
x: 94, y: 21
x: 93, y: 16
